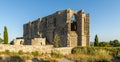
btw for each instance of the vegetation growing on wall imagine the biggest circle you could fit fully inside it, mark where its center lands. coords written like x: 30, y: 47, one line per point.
x: 57, y: 40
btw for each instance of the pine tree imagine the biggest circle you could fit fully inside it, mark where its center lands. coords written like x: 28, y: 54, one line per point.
x: 96, y: 43
x: 5, y: 35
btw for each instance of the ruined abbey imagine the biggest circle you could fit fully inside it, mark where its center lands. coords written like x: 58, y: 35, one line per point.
x: 72, y: 27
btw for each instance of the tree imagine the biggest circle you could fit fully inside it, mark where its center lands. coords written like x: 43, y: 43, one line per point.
x: 96, y: 43
x: 114, y: 43
x: 104, y: 44
x: 5, y: 35
x: 57, y: 41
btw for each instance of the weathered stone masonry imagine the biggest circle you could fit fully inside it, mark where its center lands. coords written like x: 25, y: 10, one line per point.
x: 72, y: 31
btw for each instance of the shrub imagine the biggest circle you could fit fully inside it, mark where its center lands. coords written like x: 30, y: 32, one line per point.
x: 26, y: 57
x: 35, y: 53
x: 20, y: 52
x: 81, y: 57
x: 27, y: 53
x: 104, y: 44
x: 1, y: 53
x: 14, y: 53
x: 56, y: 55
x: 7, y: 52
x: 102, y: 55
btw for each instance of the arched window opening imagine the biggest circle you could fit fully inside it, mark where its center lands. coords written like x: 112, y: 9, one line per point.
x: 73, y: 23
x: 73, y: 18
x: 21, y: 42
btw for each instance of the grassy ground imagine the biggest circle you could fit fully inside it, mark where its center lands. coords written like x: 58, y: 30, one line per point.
x: 94, y: 54
x: 7, y: 56
x: 79, y: 54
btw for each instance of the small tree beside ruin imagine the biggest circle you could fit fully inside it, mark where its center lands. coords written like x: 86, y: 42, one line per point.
x: 57, y: 41
x: 5, y: 35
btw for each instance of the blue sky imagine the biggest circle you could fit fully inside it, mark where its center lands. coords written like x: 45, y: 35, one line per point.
x: 104, y: 15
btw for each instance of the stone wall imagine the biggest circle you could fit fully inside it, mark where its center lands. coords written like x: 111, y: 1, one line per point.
x: 60, y: 22
x: 63, y: 50
x: 26, y: 48
x: 42, y: 49
x: 18, y: 41
x: 38, y: 41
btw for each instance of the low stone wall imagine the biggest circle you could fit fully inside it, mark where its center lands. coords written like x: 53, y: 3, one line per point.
x: 26, y: 48
x: 31, y: 48
x: 63, y: 50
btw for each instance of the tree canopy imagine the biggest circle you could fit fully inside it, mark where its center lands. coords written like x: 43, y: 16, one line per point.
x: 114, y: 43
x: 104, y: 44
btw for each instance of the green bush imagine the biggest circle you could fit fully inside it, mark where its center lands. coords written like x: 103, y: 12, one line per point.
x: 35, y: 53
x: 27, y: 53
x: 7, y: 52
x: 1, y: 53
x: 26, y: 57
x: 56, y: 55
x: 20, y: 52
x: 14, y: 53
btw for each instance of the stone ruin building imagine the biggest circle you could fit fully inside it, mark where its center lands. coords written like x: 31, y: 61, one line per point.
x: 72, y: 27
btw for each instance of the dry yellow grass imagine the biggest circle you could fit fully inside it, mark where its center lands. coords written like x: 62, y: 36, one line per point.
x: 99, y: 55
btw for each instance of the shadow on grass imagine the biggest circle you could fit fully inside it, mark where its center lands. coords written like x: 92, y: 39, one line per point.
x: 19, y: 59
